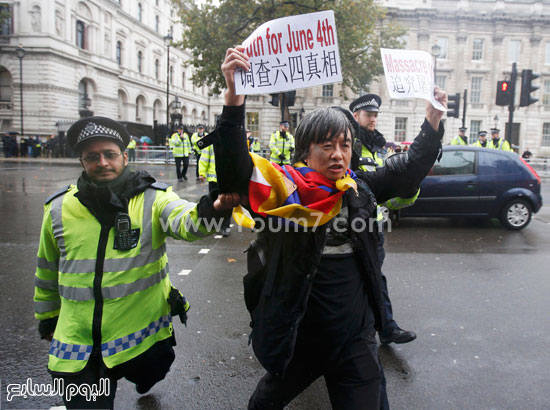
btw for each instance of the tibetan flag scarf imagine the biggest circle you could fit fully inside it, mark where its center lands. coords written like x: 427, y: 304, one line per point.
x: 296, y: 193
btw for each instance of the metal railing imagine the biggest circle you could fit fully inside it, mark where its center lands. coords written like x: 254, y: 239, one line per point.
x: 158, y: 154
x: 541, y: 165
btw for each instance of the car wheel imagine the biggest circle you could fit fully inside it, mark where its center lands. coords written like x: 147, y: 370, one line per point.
x: 516, y: 214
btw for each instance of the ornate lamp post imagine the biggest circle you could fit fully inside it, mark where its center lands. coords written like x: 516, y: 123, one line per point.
x: 168, y: 40
x: 176, y: 113
x: 86, y: 102
x: 20, y: 51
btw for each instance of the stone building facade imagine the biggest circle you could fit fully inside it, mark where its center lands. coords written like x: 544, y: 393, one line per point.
x: 479, y: 41
x: 106, y: 56
x: 110, y: 56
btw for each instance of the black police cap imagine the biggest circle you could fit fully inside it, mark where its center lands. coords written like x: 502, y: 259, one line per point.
x: 462, y: 129
x: 89, y: 128
x: 482, y: 133
x: 494, y: 130
x: 368, y: 102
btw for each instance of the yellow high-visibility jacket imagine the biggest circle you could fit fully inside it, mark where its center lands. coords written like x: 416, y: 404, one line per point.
x: 117, y: 297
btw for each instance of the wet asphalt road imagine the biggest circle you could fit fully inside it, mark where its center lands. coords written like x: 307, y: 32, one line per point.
x: 475, y: 293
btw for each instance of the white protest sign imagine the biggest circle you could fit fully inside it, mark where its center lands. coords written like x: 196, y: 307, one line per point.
x: 410, y: 74
x: 290, y: 53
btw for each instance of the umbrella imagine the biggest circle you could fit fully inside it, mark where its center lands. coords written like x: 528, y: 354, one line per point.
x: 146, y: 139
x: 406, y: 143
x: 389, y: 145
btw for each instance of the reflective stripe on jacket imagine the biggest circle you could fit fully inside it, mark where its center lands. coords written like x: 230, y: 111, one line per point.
x: 502, y: 145
x: 81, y: 279
x: 180, y: 145
x: 279, y: 145
x: 207, y: 164
x: 458, y: 141
x: 194, y: 138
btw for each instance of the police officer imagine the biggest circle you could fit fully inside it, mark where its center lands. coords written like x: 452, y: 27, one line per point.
x: 497, y: 142
x: 102, y: 290
x: 256, y: 146
x: 281, y: 144
x: 207, y: 171
x: 131, y: 149
x: 461, y: 139
x: 196, y: 150
x: 370, y: 141
x: 482, y: 140
x: 181, y: 147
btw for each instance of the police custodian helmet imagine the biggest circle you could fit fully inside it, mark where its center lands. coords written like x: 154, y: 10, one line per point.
x: 88, y: 128
x: 367, y: 102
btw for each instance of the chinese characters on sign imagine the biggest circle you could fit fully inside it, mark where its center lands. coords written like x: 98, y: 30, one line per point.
x: 290, y: 53
x: 409, y: 74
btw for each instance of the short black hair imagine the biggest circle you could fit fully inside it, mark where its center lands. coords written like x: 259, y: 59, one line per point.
x: 323, y: 124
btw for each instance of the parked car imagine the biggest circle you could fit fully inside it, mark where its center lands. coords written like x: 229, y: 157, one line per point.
x: 479, y: 182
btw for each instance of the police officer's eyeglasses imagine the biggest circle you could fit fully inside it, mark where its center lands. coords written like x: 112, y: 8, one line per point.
x: 95, y: 158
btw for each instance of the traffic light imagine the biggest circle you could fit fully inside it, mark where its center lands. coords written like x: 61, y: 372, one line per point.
x: 274, y: 100
x: 527, y: 77
x: 453, y: 105
x: 504, y: 93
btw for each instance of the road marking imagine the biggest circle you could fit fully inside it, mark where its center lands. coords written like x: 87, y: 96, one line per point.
x: 184, y: 272
x: 204, y: 251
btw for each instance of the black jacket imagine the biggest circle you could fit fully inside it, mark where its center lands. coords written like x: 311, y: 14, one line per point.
x: 282, y: 266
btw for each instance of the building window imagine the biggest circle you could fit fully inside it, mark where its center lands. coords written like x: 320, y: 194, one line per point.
x: 171, y: 75
x: 5, y: 85
x: 477, y: 52
x: 546, y: 135
x: 514, y: 48
x: 83, y: 97
x: 441, y: 81
x: 139, y: 61
x: 157, y: 69
x: 546, y: 93
x: 400, y: 132
x: 119, y: 52
x: 475, y: 96
x: 183, y: 78
x: 80, y: 34
x: 140, y: 11
x: 547, y: 54
x: 443, y: 43
x: 253, y: 123
x: 475, y: 127
x: 328, y: 90
x: 5, y: 23
x: 157, y: 23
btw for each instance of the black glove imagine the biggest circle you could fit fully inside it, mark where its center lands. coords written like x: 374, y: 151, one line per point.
x: 46, y: 327
x: 178, y: 305
x: 282, y: 157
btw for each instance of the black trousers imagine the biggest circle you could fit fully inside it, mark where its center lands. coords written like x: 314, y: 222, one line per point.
x: 179, y: 161
x: 352, y: 376
x: 144, y: 370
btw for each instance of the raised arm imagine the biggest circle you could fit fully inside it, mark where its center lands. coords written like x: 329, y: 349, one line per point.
x: 402, y: 173
x: 233, y: 163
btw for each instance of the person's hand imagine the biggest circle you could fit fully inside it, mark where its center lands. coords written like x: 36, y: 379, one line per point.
x: 227, y: 201
x: 201, y: 178
x: 433, y: 115
x: 235, y: 58
x: 48, y: 337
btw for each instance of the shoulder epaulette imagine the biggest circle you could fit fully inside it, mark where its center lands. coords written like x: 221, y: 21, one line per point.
x: 161, y: 186
x: 62, y: 191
